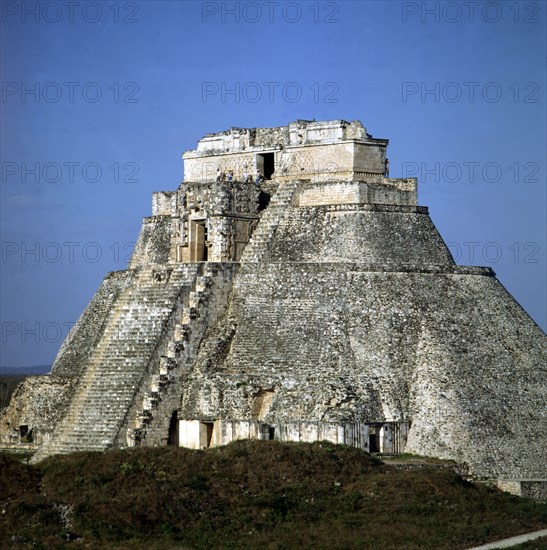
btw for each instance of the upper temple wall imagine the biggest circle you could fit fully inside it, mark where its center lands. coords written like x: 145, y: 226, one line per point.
x: 309, y: 150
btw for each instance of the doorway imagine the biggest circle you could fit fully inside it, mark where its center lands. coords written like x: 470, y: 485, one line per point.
x: 199, y: 252
x: 372, y: 440
x: 205, y: 434
x: 265, y: 164
x: 173, y: 437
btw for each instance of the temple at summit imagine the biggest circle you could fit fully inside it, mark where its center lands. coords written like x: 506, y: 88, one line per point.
x: 290, y: 289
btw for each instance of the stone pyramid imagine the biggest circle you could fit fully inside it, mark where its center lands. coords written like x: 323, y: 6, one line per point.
x: 289, y: 289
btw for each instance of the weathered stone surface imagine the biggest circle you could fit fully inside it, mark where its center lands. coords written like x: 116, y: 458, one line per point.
x: 342, y: 342
x: 316, y: 151
x: 36, y: 406
x: 88, y: 330
x: 324, y: 305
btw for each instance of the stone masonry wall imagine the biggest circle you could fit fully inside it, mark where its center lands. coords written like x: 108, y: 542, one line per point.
x: 318, y: 151
x: 318, y: 163
x: 446, y: 348
x: 164, y: 203
x: 37, y: 403
x: 380, y: 191
x: 387, y: 235
x: 386, y: 438
x: 154, y: 242
x: 380, y: 234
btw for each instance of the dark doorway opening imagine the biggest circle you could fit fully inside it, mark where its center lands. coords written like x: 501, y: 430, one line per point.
x: 173, y: 437
x: 265, y: 164
x: 25, y: 434
x: 266, y: 432
x: 373, y: 441
x: 208, y: 433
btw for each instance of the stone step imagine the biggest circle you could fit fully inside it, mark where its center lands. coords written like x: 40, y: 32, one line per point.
x: 114, y: 376
x: 260, y: 240
x: 117, y: 365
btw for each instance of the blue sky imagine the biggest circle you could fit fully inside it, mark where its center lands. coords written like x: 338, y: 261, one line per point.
x: 99, y: 100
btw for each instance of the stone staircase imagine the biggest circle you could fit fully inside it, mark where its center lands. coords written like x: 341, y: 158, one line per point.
x: 75, y: 351
x: 259, y: 246
x: 119, y: 361
x: 160, y: 393
x: 133, y: 378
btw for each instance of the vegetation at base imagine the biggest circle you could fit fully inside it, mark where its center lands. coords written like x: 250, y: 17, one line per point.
x: 249, y: 494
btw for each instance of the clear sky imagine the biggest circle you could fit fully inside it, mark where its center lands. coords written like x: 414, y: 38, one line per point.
x: 99, y: 100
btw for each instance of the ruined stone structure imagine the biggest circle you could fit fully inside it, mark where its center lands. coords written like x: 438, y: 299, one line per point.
x: 323, y: 305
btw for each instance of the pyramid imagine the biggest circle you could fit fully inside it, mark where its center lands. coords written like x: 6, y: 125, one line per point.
x: 290, y: 289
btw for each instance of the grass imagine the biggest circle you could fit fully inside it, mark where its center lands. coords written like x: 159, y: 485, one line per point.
x: 249, y: 495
